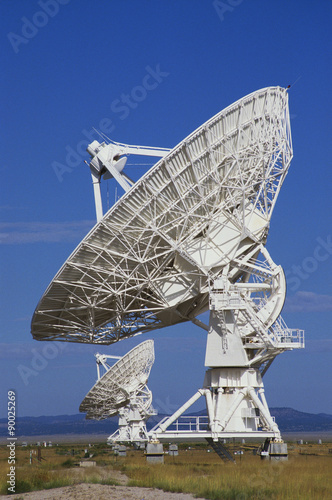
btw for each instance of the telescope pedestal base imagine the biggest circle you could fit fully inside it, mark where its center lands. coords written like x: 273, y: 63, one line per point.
x: 236, y: 408
x: 236, y: 402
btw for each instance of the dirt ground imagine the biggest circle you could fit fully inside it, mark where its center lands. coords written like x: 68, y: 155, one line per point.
x: 86, y: 491
x: 101, y: 492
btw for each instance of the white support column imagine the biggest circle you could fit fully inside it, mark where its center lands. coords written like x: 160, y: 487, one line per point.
x: 233, y: 408
x: 266, y: 414
x: 97, y: 195
x: 218, y: 411
x: 209, y: 406
x: 261, y: 392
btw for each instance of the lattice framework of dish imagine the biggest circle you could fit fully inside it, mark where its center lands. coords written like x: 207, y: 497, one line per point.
x: 149, y: 262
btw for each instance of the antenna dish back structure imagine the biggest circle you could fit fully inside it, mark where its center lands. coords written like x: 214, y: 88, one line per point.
x: 122, y: 390
x: 189, y: 237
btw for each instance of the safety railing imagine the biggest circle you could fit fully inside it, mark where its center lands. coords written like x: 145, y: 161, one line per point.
x: 185, y: 424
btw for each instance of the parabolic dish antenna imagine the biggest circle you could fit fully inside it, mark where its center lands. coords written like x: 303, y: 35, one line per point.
x: 202, y: 210
x: 126, y: 378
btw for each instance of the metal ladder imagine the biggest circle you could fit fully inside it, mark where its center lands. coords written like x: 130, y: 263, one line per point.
x: 221, y: 450
x: 251, y: 316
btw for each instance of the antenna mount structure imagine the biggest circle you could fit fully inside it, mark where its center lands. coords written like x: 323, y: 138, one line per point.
x: 109, y: 160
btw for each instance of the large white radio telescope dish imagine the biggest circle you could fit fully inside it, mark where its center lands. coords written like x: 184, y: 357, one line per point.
x: 204, y: 207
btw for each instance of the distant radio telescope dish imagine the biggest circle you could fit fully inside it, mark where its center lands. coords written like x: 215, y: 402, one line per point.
x: 128, y: 376
x: 202, y: 208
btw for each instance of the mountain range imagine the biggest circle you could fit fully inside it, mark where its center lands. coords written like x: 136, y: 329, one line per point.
x: 288, y: 419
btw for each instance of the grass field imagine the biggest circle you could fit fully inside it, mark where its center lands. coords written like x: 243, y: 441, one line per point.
x: 306, y: 475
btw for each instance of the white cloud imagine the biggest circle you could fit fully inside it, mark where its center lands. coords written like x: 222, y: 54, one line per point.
x: 17, y: 350
x: 308, y: 302
x: 6, y: 208
x: 27, y: 350
x: 12, y: 233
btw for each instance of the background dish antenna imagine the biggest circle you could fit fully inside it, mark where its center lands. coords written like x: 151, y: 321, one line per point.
x: 122, y: 390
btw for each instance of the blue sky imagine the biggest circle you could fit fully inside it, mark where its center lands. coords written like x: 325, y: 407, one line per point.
x: 67, y: 67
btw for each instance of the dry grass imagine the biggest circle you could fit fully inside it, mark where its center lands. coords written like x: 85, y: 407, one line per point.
x: 302, y: 477
x: 57, y: 469
x: 305, y: 476
x: 298, y: 479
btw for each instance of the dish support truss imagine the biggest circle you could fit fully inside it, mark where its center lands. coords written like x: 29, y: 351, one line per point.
x: 245, y: 334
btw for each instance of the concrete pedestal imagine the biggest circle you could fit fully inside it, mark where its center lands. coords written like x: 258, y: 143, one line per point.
x: 122, y: 451
x: 278, y: 451
x: 155, y: 453
x: 173, y: 450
